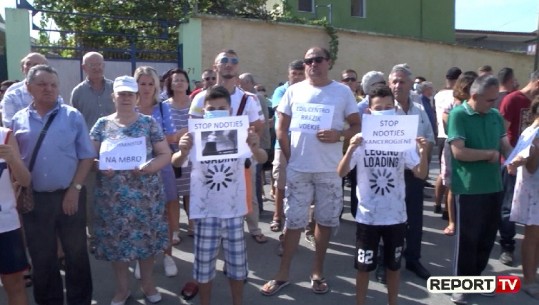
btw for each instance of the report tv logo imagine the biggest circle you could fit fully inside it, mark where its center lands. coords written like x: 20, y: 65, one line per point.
x: 474, y: 284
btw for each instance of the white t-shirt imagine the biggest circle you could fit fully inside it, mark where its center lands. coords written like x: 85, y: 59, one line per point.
x: 443, y: 99
x: 218, y: 189
x: 307, y: 153
x: 252, y: 106
x: 9, y: 218
x: 380, y: 185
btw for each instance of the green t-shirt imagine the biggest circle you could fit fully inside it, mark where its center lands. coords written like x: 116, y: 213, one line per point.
x: 479, y: 131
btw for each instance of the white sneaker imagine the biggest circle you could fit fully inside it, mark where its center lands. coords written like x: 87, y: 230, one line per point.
x: 170, y: 266
x: 137, y: 271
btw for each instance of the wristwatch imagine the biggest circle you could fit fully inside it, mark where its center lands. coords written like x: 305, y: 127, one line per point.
x: 341, y: 138
x: 77, y: 186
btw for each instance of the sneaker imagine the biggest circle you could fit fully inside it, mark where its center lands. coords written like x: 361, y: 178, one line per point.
x: 506, y: 258
x: 438, y: 209
x: 310, y: 239
x: 137, y: 271
x: 170, y: 266
x: 459, y: 298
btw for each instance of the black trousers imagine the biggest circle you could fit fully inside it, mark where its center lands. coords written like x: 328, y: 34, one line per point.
x: 478, y: 217
x: 42, y: 226
x: 414, y: 212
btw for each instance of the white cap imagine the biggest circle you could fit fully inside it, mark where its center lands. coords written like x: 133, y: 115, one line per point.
x: 125, y: 84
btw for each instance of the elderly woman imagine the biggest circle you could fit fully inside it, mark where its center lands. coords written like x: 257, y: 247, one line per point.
x: 525, y: 207
x: 148, y: 103
x: 130, y: 219
x: 13, y: 260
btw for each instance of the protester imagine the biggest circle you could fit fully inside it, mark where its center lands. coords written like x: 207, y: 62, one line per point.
x: 65, y: 157
x: 381, y: 215
x: 130, y: 219
x: 148, y: 104
x: 218, y: 212
x: 524, y: 208
x: 13, y: 261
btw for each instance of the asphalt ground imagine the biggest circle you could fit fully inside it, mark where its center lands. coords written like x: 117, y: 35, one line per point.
x: 437, y: 253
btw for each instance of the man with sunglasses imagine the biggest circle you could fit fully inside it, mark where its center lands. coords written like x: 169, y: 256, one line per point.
x: 477, y: 135
x: 349, y: 78
x: 209, y: 78
x: 313, y: 151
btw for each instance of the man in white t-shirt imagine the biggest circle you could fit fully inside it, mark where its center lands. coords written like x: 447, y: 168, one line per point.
x: 381, y: 213
x: 314, y: 112
x: 226, y: 66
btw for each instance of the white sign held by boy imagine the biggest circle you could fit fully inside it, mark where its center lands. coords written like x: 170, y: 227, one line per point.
x: 389, y: 132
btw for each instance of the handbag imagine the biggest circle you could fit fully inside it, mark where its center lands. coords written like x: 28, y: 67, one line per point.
x: 25, y: 194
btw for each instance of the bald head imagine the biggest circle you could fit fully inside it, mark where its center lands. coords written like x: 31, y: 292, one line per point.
x: 93, y: 65
x: 247, y: 82
x: 30, y: 60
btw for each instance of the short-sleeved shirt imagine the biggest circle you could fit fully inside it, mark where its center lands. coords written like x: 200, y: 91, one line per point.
x: 9, y: 218
x: 424, y: 128
x: 380, y: 185
x: 93, y: 104
x: 252, y: 107
x: 442, y: 100
x: 515, y: 108
x: 275, y: 100
x: 478, y: 131
x: 163, y: 116
x: 307, y: 153
x: 66, y: 143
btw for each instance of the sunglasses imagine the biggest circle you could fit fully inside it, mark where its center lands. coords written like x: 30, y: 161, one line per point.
x: 318, y: 60
x: 349, y: 79
x: 226, y: 60
x: 208, y: 78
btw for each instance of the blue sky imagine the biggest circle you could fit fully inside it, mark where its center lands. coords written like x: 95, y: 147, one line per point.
x: 492, y: 15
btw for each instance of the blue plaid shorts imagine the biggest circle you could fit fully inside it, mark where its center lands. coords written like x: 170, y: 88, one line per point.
x: 209, y: 234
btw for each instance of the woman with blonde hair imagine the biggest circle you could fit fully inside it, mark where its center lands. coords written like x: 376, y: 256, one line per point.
x: 148, y: 104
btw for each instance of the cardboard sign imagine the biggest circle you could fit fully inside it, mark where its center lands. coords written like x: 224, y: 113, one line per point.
x: 389, y: 132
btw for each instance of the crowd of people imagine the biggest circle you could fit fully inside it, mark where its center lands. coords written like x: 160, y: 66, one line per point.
x: 110, y: 167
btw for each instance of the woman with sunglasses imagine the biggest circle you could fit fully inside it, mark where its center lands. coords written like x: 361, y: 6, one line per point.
x: 13, y: 260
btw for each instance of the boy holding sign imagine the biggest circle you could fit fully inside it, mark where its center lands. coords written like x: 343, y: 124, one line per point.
x: 381, y: 212
x: 219, y: 204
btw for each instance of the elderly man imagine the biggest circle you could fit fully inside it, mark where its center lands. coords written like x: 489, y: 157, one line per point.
x: 64, y: 159
x: 476, y: 156
x: 400, y: 82
x: 17, y: 97
x: 209, y: 79
x: 426, y: 91
x: 369, y: 81
x: 313, y: 152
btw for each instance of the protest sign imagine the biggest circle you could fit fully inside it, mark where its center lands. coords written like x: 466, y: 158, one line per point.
x: 389, y: 132
x: 122, y: 154
x: 523, y: 145
x: 219, y: 138
x: 309, y: 118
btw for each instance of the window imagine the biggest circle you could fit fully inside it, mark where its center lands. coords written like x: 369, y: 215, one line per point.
x: 305, y: 5
x: 358, y: 8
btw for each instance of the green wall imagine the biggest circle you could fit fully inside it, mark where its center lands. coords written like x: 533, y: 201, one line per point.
x: 422, y: 19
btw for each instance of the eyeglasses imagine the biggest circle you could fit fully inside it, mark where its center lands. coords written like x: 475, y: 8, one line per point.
x: 318, y: 60
x: 232, y: 60
x: 349, y: 79
x: 208, y: 78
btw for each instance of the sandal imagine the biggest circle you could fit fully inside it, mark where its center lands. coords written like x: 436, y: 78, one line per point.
x: 176, y: 240
x: 189, y: 291
x: 190, y: 232
x: 319, y: 286
x: 273, y: 286
x: 449, y: 231
x: 275, y: 225
x: 260, y: 238
x: 532, y: 290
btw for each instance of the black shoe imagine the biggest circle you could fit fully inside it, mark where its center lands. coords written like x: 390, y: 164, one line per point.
x: 381, y: 274
x: 445, y: 215
x: 418, y: 269
x: 438, y: 209
x: 506, y: 258
x: 429, y: 185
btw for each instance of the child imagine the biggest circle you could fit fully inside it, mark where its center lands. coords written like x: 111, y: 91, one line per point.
x: 380, y: 190
x: 218, y: 212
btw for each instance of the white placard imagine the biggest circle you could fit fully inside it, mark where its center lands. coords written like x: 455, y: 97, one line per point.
x: 219, y: 138
x: 523, y: 145
x: 389, y: 132
x: 309, y: 118
x: 122, y: 154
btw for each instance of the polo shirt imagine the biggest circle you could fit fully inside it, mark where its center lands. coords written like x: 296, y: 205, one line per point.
x: 93, y: 104
x: 479, y: 131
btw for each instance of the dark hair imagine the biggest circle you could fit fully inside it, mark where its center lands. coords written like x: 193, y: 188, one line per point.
x: 534, y: 108
x: 8, y: 83
x: 168, y: 81
x: 485, y: 68
x: 505, y: 74
x: 327, y: 55
x: 296, y: 65
x: 349, y: 71
x: 217, y: 92
x: 30, y: 77
x: 380, y: 91
x: 461, y: 90
x: 421, y: 78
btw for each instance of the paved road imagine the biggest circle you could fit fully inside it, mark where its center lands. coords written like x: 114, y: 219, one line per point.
x: 263, y: 261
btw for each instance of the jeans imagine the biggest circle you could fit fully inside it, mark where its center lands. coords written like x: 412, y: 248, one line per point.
x: 414, y: 211
x: 506, y: 227
x: 42, y: 226
x: 259, y: 187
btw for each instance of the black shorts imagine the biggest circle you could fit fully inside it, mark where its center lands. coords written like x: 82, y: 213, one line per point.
x: 367, y: 241
x: 12, y: 253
